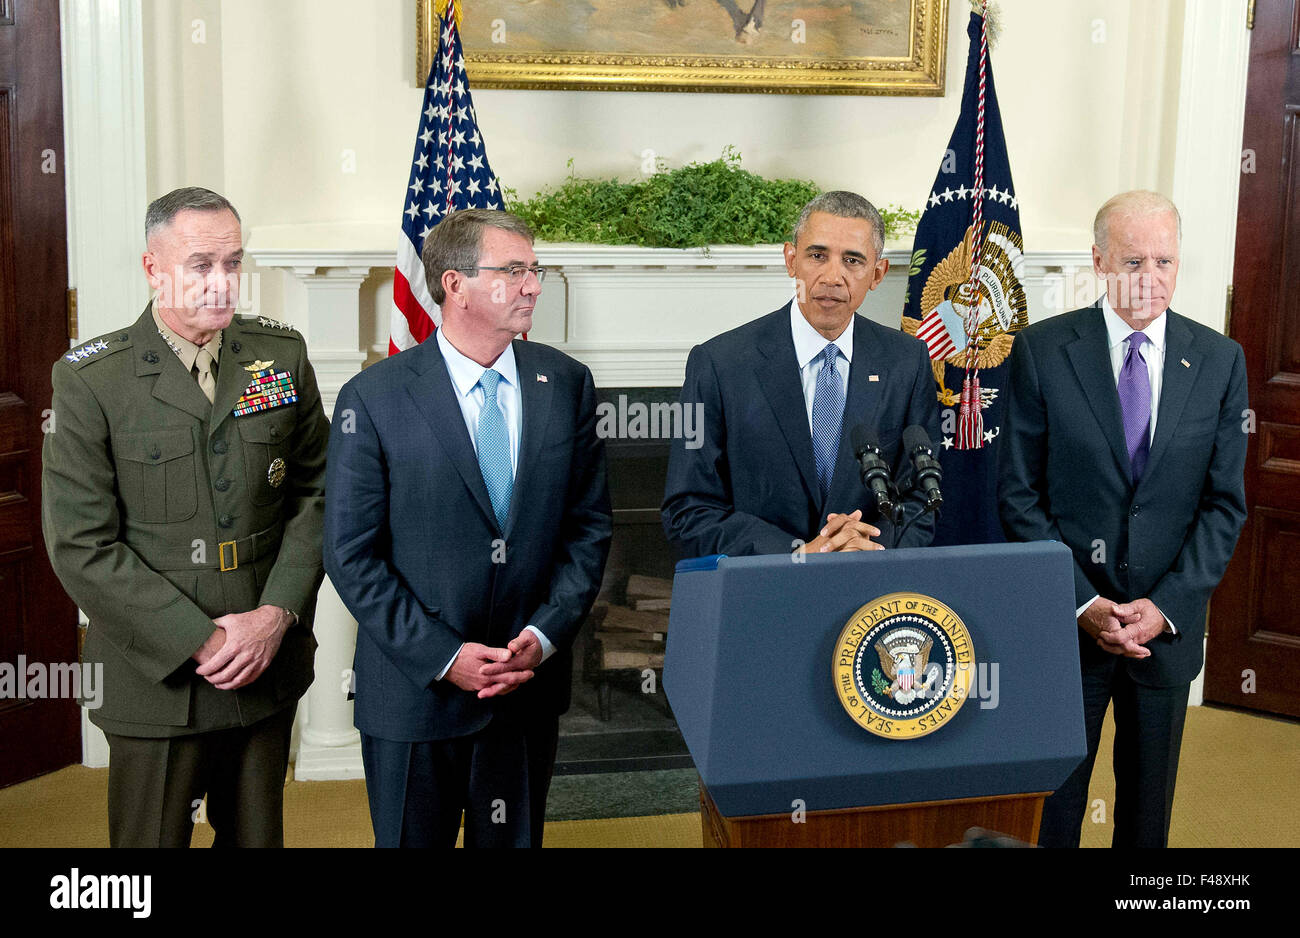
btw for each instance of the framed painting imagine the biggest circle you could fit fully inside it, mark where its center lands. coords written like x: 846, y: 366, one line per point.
x: 889, y: 47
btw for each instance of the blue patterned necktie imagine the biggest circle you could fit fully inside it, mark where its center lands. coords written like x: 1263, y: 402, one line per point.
x: 1135, y: 404
x: 492, y: 440
x: 827, y: 417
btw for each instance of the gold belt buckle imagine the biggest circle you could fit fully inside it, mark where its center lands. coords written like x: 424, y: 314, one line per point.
x: 234, y: 555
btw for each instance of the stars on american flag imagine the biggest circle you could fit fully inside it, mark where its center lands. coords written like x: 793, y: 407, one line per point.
x: 1002, y: 196
x: 449, y: 172
x: 450, y: 169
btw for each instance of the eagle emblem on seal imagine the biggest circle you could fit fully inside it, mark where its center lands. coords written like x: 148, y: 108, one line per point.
x: 904, y: 655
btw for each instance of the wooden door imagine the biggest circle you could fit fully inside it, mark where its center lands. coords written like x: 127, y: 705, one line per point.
x: 38, y: 623
x: 1254, y: 629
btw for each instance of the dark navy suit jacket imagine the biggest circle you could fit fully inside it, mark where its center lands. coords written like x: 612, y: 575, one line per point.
x: 1064, y: 475
x: 752, y: 487
x: 413, y: 547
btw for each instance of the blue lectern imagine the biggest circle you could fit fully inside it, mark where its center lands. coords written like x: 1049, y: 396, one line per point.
x: 770, y: 677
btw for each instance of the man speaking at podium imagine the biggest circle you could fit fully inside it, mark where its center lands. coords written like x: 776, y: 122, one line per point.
x: 1126, y: 444
x: 782, y: 397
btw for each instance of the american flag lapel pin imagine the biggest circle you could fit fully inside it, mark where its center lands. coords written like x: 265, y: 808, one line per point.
x: 543, y: 379
x: 1186, y: 363
x: 874, y: 379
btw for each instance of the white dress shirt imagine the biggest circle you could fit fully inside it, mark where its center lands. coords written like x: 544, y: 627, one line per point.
x: 1153, y: 350
x: 808, y: 347
x: 465, y: 377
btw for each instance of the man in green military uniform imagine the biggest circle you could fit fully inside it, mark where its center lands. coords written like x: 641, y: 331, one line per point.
x: 183, y: 497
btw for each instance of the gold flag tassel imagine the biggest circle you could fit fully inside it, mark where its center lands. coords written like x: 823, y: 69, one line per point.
x: 441, y: 8
x: 992, y: 14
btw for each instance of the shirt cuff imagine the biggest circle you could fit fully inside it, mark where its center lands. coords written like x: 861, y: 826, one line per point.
x: 1078, y: 612
x: 1169, y: 626
x: 443, y: 672
x: 547, y: 648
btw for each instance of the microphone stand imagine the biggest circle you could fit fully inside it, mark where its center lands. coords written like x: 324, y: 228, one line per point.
x: 929, y: 508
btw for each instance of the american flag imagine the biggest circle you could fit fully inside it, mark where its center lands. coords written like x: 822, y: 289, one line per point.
x: 936, y: 335
x: 450, y: 172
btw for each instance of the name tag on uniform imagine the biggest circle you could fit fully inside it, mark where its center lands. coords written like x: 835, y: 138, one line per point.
x: 269, y: 389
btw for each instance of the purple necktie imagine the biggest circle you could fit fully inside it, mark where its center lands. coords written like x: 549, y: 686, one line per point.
x: 1135, y: 404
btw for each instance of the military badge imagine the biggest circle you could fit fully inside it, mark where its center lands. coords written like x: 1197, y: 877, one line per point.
x: 171, y: 343
x: 275, y: 474
x: 88, y: 351
x: 270, y: 389
x: 903, y: 666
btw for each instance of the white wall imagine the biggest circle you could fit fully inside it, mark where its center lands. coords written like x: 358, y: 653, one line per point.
x: 302, y: 85
x: 261, y: 101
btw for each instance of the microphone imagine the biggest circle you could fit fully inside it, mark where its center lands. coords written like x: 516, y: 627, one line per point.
x: 874, y: 469
x: 927, y: 472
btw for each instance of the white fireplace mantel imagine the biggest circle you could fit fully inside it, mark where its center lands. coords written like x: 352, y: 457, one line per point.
x: 631, y: 314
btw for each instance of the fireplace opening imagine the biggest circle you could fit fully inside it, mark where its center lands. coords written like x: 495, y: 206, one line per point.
x: 619, y: 720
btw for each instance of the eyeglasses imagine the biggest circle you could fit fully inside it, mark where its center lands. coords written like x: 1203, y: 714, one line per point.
x: 514, y: 275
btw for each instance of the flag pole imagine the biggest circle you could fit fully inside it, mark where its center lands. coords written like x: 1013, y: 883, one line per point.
x: 970, y: 433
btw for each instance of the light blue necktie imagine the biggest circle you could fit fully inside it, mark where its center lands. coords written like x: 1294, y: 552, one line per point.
x: 827, y: 417
x: 492, y: 440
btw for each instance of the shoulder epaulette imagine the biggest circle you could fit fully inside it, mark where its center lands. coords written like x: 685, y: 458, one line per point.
x: 97, y: 349
x: 269, y: 325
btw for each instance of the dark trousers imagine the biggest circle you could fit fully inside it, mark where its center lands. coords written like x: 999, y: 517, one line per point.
x: 1148, y: 735
x: 498, y: 778
x: 155, y: 786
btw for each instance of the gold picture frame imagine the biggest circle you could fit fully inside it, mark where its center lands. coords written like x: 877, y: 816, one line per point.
x: 914, y: 65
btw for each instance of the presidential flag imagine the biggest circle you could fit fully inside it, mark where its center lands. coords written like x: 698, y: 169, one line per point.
x: 450, y: 172
x: 965, y: 299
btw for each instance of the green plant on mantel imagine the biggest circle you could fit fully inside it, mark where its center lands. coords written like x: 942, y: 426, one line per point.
x: 692, y: 207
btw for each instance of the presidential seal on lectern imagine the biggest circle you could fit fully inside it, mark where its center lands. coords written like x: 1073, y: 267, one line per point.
x: 903, y: 666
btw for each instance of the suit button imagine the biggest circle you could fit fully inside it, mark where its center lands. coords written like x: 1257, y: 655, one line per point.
x: 1123, y: 566
x: 226, y: 521
x: 219, y: 447
x: 222, y: 485
x: 275, y: 433
x: 155, y: 454
x: 236, y: 347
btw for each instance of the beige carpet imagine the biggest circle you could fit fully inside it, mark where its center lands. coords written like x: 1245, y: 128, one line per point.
x: 1239, y: 777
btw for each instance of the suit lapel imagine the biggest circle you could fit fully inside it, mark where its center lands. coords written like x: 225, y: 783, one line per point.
x: 1090, y: 357
x: 435, y: 398
x: 861, y: 406
x: 1175, y: 386
x: 535, y: 396
x: 174, y: 386
x: 232, y: 379
x: 777, y: 371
